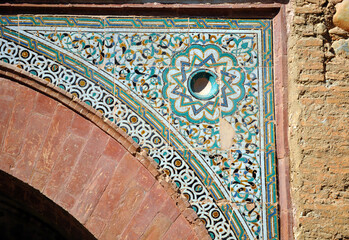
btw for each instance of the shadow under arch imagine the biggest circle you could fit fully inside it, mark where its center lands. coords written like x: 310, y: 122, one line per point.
x: 25, y: 213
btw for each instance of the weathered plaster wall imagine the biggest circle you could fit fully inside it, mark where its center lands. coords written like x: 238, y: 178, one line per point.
x: 319, y: 120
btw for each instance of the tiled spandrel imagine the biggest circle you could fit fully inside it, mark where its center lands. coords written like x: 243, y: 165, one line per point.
x: 195, y: 94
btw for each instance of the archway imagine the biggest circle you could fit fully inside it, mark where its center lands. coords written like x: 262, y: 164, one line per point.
x: 25, y: 213
x: 60, y: 147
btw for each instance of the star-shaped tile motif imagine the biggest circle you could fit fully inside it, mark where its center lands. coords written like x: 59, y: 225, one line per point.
x: 229, y: 77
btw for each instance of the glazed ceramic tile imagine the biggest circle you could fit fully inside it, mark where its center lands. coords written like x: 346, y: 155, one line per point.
x: 195, y: 94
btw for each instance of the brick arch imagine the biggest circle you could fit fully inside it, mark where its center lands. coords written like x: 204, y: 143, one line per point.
x: 21, y: 203
x: 63, y: 148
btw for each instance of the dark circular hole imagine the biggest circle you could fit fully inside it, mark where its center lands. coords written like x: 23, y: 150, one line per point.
x: 202, y: 84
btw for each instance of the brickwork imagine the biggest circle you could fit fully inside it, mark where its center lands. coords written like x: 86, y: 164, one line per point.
x: 109, y: 187
x: 319, y: 125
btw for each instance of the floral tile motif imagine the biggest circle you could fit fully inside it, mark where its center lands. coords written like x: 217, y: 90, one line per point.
x: 198, y: 62
x: 173, y: 85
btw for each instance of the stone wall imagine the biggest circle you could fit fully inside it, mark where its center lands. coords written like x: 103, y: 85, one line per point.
x: 319, y: 119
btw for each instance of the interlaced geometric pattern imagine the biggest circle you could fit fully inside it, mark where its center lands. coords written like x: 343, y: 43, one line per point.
x: 173, y: 85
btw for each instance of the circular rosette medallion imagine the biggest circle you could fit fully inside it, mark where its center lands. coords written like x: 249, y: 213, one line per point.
x: 203, y: 83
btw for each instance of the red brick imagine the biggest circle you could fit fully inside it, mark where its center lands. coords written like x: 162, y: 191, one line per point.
x: 151, y: 205
x: 45, y: 105
x: 19, y: 120
x: 64, y: 165
x: 87, y: 161
x: 310, y: 42
x: 179, y: 230
x: 38, y: 180
x: 34, y: 137
x: 312, y: 77
x: 81, y: 126
x: 308, y: 9
x: 335, y: 75
x: 120, y: 182
x: 7, y: 162
x: 127, y: 206
x: 66, y: 201
x: 145, y: 178
x: 340, y: 89
x: 114, y: 150
x: 157, y: 228
x: 5, y: 115
x: 312, y: 53
x: 313, y: 65
x: 194, y: 237
x: 92, y: 193
x: 95, y: 226
x: 336, y: 100
x: 56, y: 136
x: 8, y: 92
x: 170, y: 209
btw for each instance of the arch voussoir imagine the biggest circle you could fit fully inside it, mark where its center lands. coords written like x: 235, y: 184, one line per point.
x: 84, y: 164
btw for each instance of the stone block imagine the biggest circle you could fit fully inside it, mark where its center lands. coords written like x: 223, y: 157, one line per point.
x: 341, y: 18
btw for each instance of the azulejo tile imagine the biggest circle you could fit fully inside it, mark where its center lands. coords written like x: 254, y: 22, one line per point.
x: 199, y: 77
x: 196, y: 94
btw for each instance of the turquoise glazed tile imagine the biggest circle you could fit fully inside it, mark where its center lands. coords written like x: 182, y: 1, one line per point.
x: 195, y: 94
